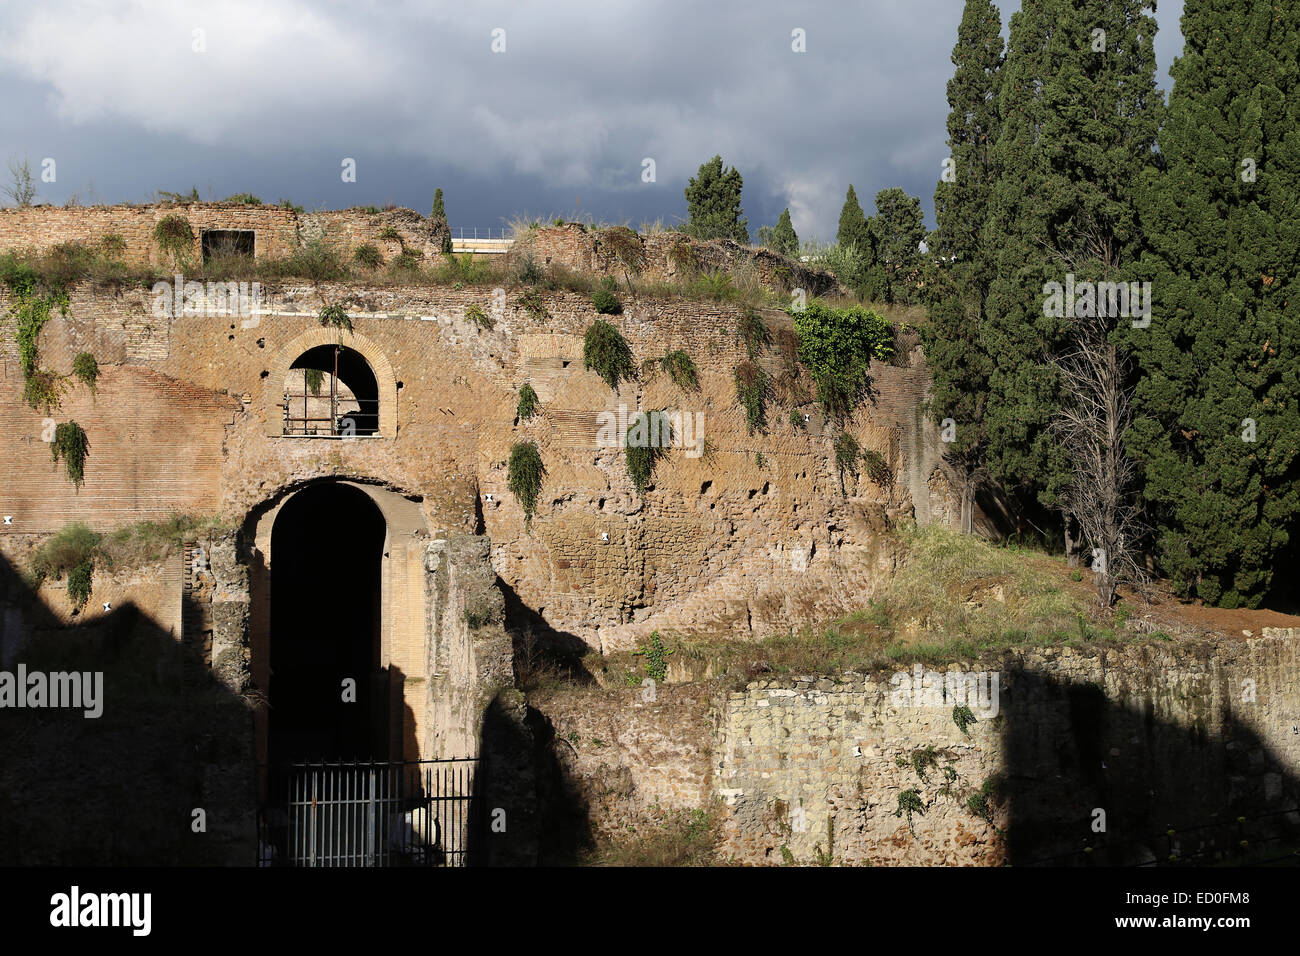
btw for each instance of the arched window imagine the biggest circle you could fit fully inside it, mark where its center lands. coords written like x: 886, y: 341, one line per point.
x: 331, y: 390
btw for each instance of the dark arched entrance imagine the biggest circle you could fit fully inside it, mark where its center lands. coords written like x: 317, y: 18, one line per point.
x: 328, y: 543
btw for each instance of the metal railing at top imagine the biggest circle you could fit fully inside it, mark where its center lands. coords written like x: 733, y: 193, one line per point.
x: 482, y: 232
x: 355, y: 813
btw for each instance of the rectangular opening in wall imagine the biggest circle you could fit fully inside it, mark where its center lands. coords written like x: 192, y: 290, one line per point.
x: 224, y: 243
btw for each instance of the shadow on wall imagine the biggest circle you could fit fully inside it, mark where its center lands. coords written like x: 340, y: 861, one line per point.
x: 1071, y: 751
x: 121, y: 789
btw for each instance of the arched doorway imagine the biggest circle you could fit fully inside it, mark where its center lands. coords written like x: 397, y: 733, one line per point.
x: 331, y: 390
x: 326, y: 621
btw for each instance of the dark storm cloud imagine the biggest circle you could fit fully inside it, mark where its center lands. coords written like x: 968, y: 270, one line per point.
x: 559, y: 123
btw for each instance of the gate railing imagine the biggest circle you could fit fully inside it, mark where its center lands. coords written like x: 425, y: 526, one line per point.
x: 353, y: 813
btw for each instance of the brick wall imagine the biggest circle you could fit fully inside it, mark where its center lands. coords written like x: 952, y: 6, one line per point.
x: 280, y: 231
x: 754, y: 534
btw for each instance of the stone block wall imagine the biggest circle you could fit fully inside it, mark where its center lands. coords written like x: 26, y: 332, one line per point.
x: 1156, y: 737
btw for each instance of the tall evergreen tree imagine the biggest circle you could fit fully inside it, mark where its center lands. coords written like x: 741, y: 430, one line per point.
x: 1079, y: 111
x: 897, y: 230
x: 713, y: 203
x: 439, y: 211
x: 785, y: 239
x: 853, y: 229
x: 1221, y: 359
x: 953, y: 335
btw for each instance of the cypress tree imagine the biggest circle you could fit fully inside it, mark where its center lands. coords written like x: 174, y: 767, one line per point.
x: 953, y: 337
x: 1219, y: 360
x: 896, y: 231
x: 439, y: 212
x: 713, y: 203
x: 784, y: 238
x: 853, y: 229
x: 1078, y: 114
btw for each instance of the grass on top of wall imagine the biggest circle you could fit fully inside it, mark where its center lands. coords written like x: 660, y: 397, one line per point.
x: 953, y: 598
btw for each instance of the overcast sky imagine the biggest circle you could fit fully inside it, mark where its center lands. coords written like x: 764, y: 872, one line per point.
x: 557, y: 124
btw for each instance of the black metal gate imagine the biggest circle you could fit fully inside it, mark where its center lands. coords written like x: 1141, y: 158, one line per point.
x: 352, y: 813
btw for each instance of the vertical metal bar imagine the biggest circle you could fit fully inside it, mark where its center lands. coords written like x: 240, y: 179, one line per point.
x: 370, y: 820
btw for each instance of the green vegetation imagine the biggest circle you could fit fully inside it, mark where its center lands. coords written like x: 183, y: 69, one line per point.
x: 532, y: 303
x: 245, y: 199
x: 368, y: 256
x: 85, y: 368
x: 480, y: 318
x: 43, y: 390
x: 528, y: 403
x: 606, y: 302
x: 606, y: 352
x: 751, y: 393
x: 780, y: 238
x: 313, y: 378
x: 846, y: 456
x: 752, y: 330
x: 963, y: 717
x: 713, y: 203
x: 112, y: 245
x: 335, y: 317
x: 524, y: 476
x: 655, y: 658
x: 173, y: 235
x: 909, y: 802
x: 681, y: 369
x: 71, y: 551
x: 836, y: 346
x: 648, y: 435
x: 876, y: 467
x: 71, y: 445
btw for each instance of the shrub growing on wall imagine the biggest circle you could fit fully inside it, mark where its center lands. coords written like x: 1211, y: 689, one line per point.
x: 680, y: 369
x: 479, y: 317
x: 606, y: 352
x: 335, y: 317
x: 647, y: 437
x: 71, y: 445
x: 368, y: 256
x: 837, y: 345
x: 847, y: 451
x: 751, y: 392
x: 524, y: 476
x: 86, y: 368
x: 70, y: 552
x: 42, y: 390
x: 753, y: 332
x: 876, y: 467
x: 174, y: 236
x: 606, y: 302
x: 528, y: 403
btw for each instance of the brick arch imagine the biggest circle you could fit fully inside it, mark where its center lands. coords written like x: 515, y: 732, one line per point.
x: 310, y: 339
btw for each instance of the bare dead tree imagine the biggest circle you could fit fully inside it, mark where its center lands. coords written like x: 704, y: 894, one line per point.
x: 1092, y: 423
x: 21, y: 188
